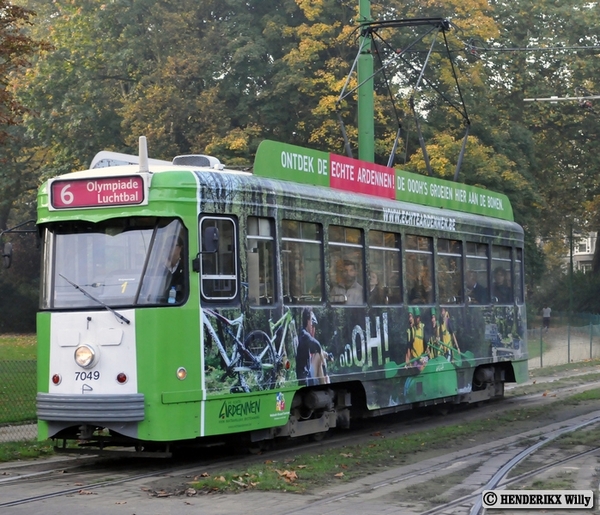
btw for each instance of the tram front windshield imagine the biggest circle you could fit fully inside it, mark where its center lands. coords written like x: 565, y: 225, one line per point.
x: 118, y: 262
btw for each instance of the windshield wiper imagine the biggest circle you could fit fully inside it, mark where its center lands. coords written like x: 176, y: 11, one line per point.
x: 106, y: 306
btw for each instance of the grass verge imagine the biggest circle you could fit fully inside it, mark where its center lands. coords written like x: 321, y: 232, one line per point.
x: 18, y: 372
x: 17, y: 451
x: 306, y: 471
x: 18, y: 347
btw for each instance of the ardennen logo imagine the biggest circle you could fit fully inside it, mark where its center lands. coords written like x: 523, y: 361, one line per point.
x: 280, y: 402
x: 239, y: 409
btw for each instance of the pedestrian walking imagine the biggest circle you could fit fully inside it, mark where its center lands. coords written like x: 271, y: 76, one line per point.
x: 546, y: 318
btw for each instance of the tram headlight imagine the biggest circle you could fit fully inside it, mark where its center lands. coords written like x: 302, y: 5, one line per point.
x: 85, y: 356
x: 181, y: 373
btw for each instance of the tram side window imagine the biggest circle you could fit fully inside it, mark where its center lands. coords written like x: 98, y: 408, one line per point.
x: 346, y: 274
x: 219, y: 268
x: 261, y: 283
x: 449, y: 271
x: 385, y: 285
x: 419, y: 269
x: 478, y: 291
x: 502, y: 292
x: 519, y: 276
x: 302, y: 262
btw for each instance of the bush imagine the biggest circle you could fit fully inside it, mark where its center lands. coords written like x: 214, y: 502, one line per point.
x: 556, y: 292
x: 19, y: 285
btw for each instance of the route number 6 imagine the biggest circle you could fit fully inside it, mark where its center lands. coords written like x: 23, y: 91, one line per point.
x: 66, y: 196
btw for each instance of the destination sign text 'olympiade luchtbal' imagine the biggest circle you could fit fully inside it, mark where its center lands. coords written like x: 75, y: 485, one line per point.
x: 98, y: 192
x: 306, y: 166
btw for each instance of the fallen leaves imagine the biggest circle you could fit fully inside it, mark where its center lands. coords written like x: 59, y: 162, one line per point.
x: 287, y: 475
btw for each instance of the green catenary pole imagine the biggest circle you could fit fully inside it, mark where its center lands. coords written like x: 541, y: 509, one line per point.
x: 366, y: 122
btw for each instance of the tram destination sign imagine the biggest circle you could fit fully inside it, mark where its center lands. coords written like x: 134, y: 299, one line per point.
x: 97, y: 192
x: 297, y: 164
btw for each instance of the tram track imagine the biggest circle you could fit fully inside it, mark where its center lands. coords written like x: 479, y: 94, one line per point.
x: 76, y: 489
x: 65, y: 477
x: 72, y: 474
x: 77, y: 474
x: 69, y: 479
x: 503, y: 471
x: 470, y: 503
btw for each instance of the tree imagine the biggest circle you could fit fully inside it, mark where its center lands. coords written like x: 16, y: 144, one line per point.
x: 17, y: 184
x: 16, y: 49
x: 185, y: 74
x: 74, y: 87
x: 219, y: 76
x: 542, y: 52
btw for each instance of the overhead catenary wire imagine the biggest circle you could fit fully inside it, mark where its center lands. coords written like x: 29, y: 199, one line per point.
x: 469, y: 45
x: 370, y: 33
x: 559, y: 99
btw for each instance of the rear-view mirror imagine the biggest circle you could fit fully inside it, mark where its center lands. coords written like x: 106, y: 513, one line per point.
x: 7, y: 255
x: 210, y: 243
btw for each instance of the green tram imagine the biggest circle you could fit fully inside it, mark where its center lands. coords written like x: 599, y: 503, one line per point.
x: 184, y: 301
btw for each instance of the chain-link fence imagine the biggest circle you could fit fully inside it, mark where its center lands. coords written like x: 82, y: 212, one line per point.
x: 567, y: 340
x: 17, y: 400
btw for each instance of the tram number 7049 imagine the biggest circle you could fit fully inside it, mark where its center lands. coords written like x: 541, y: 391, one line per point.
x: 87, y: 376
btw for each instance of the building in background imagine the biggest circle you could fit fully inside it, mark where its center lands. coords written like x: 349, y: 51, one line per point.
x: 583, y: 252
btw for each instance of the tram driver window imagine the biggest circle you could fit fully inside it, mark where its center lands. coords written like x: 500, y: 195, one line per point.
x: 419, y: 269
x: 174, y: 270
x: 301, y: 262
x: 219, y: 269
x: 261, y: 285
